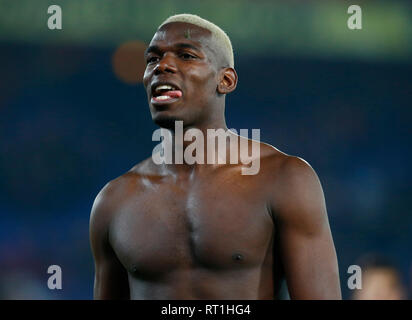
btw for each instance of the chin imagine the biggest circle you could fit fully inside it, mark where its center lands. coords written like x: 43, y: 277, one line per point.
x: 165, y: 121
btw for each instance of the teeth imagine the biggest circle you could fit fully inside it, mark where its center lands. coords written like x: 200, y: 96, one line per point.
x: 162, y: 97
x: 164, y: 87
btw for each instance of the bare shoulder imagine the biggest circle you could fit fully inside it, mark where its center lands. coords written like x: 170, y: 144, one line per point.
x: 284, y: 168
x: 116, y: 192
x: 294, y: 190
x: 145, y: 168
x: 297, y: 174
x: 289, y: 179
x: 105, y: 203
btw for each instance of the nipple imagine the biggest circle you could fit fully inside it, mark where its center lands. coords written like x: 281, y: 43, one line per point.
x: 237, y: 257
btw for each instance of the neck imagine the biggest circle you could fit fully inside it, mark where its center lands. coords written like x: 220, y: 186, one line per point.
x: 197, y: 140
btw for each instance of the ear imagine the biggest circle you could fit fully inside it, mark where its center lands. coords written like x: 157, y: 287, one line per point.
x: 228, y: 81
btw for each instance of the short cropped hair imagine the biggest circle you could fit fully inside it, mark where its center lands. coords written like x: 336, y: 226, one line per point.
x: 219, y: 36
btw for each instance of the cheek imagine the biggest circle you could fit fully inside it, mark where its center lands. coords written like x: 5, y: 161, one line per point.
x: 202, y: 83
x: 146, y: 76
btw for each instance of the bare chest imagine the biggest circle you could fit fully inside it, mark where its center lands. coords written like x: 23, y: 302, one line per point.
x: 215, y: 226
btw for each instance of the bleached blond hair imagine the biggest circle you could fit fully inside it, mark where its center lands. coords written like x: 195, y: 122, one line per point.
x: 220, y: 37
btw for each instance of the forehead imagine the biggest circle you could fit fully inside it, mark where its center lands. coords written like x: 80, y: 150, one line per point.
x: 182, y: 32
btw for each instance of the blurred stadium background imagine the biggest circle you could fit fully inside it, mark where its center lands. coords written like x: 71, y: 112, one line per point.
x: 74, y: 115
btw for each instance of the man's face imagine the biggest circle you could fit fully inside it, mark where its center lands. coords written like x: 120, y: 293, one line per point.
x: 181, y: 56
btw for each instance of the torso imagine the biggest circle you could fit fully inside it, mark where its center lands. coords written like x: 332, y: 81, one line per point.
x: 203, y: 236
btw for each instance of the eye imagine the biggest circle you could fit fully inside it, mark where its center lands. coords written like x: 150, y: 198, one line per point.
x: 187, y: 56
x: 152, y: 59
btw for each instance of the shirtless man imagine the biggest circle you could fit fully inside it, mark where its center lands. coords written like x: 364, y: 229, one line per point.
x: 206, y: 231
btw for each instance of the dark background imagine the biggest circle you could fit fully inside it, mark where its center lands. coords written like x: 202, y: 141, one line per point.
x: 68, y: 125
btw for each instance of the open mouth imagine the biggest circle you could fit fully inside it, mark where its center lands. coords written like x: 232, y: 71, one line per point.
x: 165, y: 93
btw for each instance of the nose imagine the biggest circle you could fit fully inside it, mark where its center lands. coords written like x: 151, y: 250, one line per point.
x: 165, y: 64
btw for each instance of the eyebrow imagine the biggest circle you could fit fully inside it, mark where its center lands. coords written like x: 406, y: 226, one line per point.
x: 182, y: 45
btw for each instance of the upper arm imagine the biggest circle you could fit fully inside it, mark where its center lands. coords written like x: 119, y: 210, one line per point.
x: 306, y: 246
x: 111, y: 280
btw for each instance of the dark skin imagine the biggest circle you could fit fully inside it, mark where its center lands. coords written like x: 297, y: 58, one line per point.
x: 205, y: 231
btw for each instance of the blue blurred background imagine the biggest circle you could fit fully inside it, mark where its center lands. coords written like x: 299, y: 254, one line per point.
x: 74, y: 115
